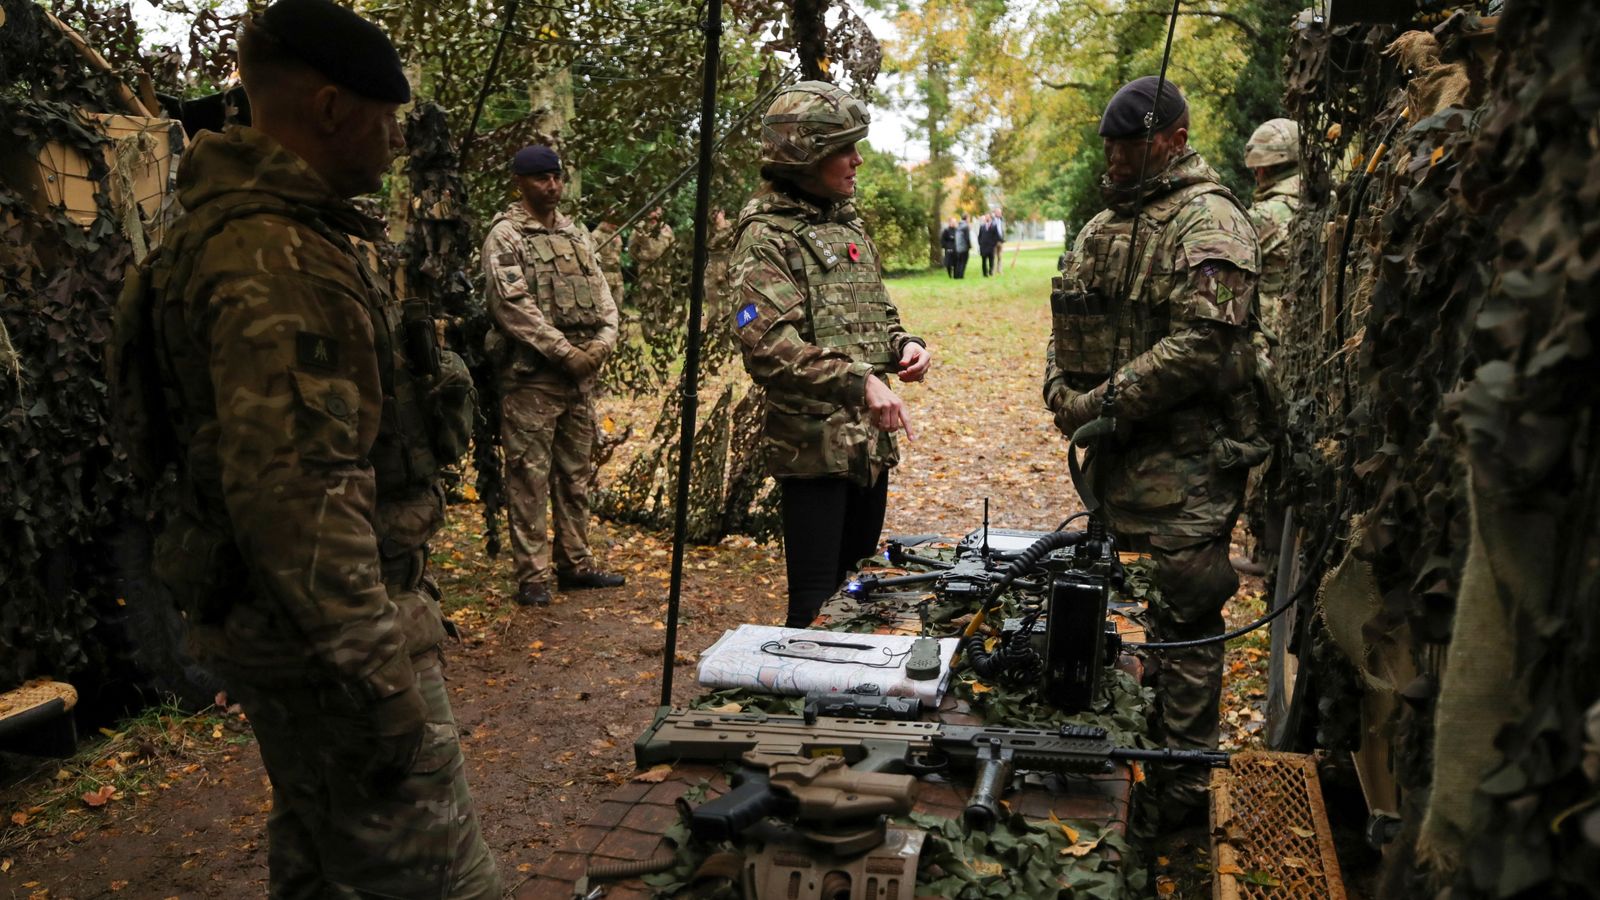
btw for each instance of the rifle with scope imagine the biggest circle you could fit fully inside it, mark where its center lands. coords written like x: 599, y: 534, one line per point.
x: 873, y: 748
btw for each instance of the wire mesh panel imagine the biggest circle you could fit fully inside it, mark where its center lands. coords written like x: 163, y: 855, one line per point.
x: 1270, y: 835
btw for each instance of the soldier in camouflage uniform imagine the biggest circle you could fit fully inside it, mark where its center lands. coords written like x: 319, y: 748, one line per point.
x: 1273, y: 154
x: 555, y: 326
x: 648, y: 246
x: 308, y: 415
x: 608, y: 250
x: 817, y: 330
x: 1172, y: 479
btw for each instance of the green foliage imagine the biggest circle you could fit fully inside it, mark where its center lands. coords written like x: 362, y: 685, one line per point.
x: 895, y: 214
x: 1034, y: 78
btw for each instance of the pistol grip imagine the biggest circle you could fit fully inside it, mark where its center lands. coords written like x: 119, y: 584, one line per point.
x: 749, y: 800
x: 995, y: 765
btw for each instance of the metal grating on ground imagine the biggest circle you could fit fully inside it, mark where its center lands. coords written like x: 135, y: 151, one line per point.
x: 1270, y: 835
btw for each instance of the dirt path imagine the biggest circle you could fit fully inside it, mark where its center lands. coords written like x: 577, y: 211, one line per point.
x: 549, y: 701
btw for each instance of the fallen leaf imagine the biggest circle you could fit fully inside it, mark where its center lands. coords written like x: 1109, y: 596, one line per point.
x: 19, y: 818
x: 118, y: 885
x: 1302, y: 832
x: 1081, y: 848
x: 728, y: 708
x: 985, y: 867
x: 1068, y: 830
x: 99, y: 797
x: 654, y: 774
x: 1295, y: 862
x: 1229, y: 869
x: 1165, y: 885
x: 5, y: 864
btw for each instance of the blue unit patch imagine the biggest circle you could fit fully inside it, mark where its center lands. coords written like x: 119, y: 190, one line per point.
x: 746, y: 315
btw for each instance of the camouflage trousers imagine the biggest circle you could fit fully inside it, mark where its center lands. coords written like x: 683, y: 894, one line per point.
x: 1196, y: 580
x: 548, y: 433
x: 331, y: 834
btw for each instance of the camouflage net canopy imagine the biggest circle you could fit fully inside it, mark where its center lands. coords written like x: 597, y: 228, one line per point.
x: 1444, y: 430
x: 72, y: 517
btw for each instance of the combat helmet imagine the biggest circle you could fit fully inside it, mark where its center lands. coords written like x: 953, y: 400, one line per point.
x: 1277, y: 141
x: 807, y: 122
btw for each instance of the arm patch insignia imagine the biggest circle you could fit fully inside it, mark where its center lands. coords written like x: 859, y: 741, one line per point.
x: 746, y: 315
x: 314, y: 351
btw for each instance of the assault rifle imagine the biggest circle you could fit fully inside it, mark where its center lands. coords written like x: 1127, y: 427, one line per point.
x: 876, y: 746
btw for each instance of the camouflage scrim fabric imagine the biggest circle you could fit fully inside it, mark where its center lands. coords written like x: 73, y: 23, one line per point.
x: 813, y: 320
x: 308, y: 492
x: 551, y: 303
x: 1171, y: 480
x: 648, y: 245
x: 720, y: 250
x: 1273, y: 214
x: 608, y: 250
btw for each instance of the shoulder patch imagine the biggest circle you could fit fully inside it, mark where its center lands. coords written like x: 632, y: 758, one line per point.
x: 315, y: 351
x: 746, y: 315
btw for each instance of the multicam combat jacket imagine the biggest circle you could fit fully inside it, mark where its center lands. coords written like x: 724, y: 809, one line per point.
x: 546, y: 293
x: 308, y: 484
x: 813, y: 320
x: 1186, y: 371
x: 1273, y: 214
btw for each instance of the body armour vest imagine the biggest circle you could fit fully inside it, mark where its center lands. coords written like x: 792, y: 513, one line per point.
x: 848, y: 304
x: 402, y: 455
x: 1083, y: 304
x: 565, y: 279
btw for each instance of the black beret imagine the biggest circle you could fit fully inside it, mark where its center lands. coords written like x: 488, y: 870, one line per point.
x: 1124, y: 116
x: 535, y: 159
x: 347, y: 49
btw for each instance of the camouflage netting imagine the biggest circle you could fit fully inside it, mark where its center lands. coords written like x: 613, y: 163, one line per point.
x: 66, y: 493
x: 1444, y: 406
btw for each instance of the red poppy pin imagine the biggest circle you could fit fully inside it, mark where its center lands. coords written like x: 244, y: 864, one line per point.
x: 855, y: 252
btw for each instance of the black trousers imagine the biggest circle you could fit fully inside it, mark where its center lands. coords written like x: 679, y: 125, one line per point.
x: 961, y: 262
x: 829, y: 524
x: 950, y: 263
x: 988, y: 262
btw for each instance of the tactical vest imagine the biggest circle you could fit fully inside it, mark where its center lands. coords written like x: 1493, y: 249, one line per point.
x: 566, y: 282
x: 1083, y: 303
x: 415, y: 432
x: 847, y: 305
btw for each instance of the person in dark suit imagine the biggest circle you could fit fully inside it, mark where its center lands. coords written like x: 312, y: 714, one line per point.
x: 963, y: 246
x: 947, y: 240
x: 988, y: 239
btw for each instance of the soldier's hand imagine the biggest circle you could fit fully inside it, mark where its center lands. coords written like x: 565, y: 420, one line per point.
x: 914, y: 361
x: 579, y: 364
x: 885, y: 410
x: 596, y: 350
x: 397, y: 725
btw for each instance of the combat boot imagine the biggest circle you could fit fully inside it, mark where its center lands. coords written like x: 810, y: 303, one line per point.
x: 533, y: 594
x: 581, y: 579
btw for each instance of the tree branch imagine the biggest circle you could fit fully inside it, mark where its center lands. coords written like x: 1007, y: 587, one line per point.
x: 1235, y: 20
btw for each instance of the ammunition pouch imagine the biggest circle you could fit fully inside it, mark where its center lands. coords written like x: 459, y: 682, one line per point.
x: 1252, y: 424
x: 1082, y: 326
